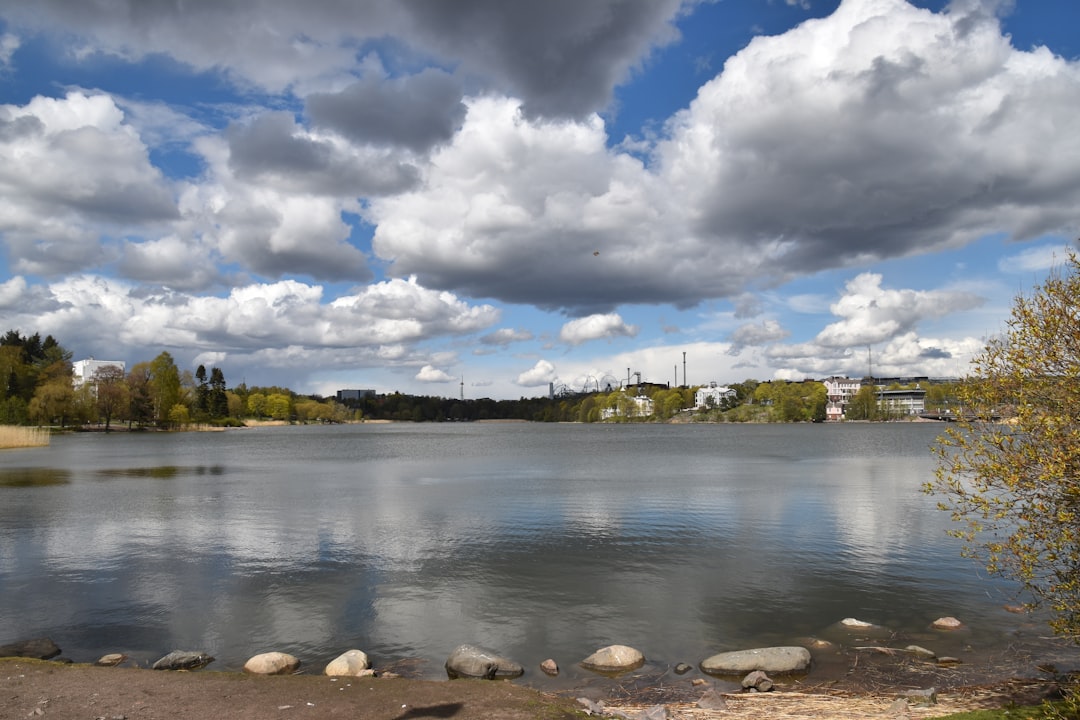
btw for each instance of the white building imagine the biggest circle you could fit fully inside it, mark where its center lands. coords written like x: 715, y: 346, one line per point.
x: 713, y: 395
x: 83, y: 371
x: 839, y: 391
x: 631, y: 406
x: 899, y: 403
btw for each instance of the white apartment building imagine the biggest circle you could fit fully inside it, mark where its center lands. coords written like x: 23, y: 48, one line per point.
x: 82, y: 371
x: 715, y: 393
x: 839, y: 392
x: 898, y: 403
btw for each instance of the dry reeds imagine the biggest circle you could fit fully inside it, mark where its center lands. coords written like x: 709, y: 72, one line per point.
x: 14, y: 436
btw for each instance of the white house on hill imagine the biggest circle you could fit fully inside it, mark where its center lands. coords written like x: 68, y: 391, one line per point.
x: 83, y: 371
x: 713, y: 395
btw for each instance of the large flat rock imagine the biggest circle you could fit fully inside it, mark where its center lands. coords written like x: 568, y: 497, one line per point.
x: 774, y: 660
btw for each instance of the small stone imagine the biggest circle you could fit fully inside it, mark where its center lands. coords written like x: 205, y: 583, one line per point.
x: 712, y: 700
x: 757, y: 680
x: 853, y: 623
x: 899, y: 708
x: 272, y: 663
x: 921, y: 652
x: 947, y: 623
x: 592, y: 707
x: 1017, y: 609
x: 682, y: 669
x: 656, y: 712
x: 948, y: 661
x: 111, y: 660
x: 550, y: 667
x: 698, y: 682
x: 926, y: 696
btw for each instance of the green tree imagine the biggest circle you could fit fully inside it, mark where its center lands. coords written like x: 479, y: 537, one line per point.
x: 256, y: 404
x: 202, y: 393
x: 179, y: 415
x: 164, y: 386
x: 863, y: 405
x: 110, y: 393
x: 218, y: 400
x: 53, y: 402
x: 140, y: 395
x: 279, y: 406
x: 235, y: 404
x: 1013, y: 485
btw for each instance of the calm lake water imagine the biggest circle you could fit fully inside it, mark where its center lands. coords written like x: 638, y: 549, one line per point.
x: 534, y: 540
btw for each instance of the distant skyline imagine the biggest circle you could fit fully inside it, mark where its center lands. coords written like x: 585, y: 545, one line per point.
x: 405, y: 196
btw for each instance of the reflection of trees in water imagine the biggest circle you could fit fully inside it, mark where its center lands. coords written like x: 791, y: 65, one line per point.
x: 33, y: 477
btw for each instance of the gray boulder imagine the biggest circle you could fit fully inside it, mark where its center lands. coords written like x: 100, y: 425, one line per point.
x: 37, y: 648
x: 183, y: 660
x: 775, y: 660
x: 614, y: 658
x: 469, y: 661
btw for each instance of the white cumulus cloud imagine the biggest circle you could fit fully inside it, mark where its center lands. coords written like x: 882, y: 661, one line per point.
x: 431, y: 374
x: 542, y: 373
x: 595, y: 327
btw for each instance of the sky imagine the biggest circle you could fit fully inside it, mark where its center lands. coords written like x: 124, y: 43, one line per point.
x: 483, y: 198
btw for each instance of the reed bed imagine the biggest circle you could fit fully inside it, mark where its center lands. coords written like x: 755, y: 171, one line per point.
x: 14, y: 436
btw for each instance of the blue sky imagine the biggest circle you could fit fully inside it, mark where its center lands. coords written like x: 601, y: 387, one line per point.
x: 488, y: 197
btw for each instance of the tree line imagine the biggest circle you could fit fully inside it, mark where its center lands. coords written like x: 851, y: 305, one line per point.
x: 38, y: 389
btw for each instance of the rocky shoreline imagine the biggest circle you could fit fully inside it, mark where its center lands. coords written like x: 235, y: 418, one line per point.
x: 906, y: 675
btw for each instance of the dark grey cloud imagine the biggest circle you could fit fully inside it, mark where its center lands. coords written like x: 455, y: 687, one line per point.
x: 562, y: 57
x: 415, y: 112
x: 273, y: 147
x: 296, y: 237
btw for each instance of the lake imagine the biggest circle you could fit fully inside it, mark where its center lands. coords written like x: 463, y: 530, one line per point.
x: 534, y: 540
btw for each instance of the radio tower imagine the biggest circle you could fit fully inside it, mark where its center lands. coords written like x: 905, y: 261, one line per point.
x: 462, y: 387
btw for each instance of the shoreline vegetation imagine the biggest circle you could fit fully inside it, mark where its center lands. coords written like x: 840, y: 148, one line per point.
x: 15, y: 436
